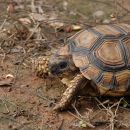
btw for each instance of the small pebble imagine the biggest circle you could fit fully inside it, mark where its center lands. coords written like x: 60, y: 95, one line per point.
x: 106, y: 21
x: 9, y: 89
x: 24, y: 85
x: 99, y: 14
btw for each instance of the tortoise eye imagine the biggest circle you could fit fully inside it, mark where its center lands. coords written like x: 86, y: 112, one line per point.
x: 63, y: 65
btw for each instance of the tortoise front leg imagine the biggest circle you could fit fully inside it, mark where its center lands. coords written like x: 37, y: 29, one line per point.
x: 71, y: 91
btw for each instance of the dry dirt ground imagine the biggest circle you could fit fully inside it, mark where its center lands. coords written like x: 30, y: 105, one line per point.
x: 31, y: 28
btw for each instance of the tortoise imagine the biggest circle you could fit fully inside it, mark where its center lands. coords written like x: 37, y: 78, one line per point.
x: 100, y: 54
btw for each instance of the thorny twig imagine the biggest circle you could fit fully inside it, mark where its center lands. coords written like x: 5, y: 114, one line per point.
x: 112, y: 114
x: 81, y: 117
x: 87, y: 123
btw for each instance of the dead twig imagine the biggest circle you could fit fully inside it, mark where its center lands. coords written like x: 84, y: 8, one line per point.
x: 2, y: 25
x: 77, y: 112
x: 7, y: 109
x: 44, y: 98
x: 118, y: 103
x: 33, y: 8
x: 100, y: 103
x: 102, y: 2
x: 121, y: 5
x: 3, y: 58
x: 87, y: 123
x: 23, y: 125
x: 112, y: 115
x: 32, y: 32
x: 116, y: 9
x: 80, y: 116
x: 61, y: 125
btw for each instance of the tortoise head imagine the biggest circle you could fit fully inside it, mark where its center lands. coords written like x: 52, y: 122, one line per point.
x: 61, y: 62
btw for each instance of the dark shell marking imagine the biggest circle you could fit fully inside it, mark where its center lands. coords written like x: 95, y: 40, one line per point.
x: 102, y: 54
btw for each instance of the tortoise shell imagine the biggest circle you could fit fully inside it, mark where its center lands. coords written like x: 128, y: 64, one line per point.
x: 102, y: 54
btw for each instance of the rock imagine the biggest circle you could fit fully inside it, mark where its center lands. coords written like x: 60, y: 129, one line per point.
x: 98, y: 16
x: 73, y: 13
x: 65, y: 5
x: 106, y: 21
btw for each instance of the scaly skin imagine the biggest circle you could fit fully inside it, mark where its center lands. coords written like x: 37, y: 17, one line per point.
x: 40, y: 66
x: 70, y: 92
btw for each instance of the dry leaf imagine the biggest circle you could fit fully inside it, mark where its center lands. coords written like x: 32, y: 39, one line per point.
x: 11, y: 7
x: 70, y: 28
x: 9, y: 76
x: 25, y: 21
x: 38, y: 17
x: 56, y: 25
x: 76, y: 27
x: 7, y: 80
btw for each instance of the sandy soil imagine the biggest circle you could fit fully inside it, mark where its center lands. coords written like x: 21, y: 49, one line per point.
x: 27, y: 104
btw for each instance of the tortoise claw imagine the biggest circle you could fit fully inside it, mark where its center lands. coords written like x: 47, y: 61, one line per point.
x: 57, y: 108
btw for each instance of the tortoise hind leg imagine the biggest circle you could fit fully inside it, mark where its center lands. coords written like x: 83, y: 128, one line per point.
x: 71, y: 91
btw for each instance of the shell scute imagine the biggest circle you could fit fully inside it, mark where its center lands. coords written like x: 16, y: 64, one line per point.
x: 106, y: 61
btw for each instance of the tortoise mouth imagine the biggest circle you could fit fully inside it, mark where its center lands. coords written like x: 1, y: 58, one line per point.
x: 54, y: 69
